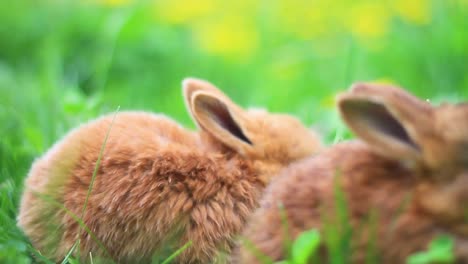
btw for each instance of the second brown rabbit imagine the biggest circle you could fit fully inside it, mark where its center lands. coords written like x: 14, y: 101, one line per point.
x: 404, y: 184
x: 159, y: 186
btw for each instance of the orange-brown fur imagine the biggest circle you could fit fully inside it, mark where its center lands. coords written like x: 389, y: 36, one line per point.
x: 158, y: 185
x: 412, y: 196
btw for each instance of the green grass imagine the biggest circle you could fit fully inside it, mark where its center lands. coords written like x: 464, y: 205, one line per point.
x: 63, y: 63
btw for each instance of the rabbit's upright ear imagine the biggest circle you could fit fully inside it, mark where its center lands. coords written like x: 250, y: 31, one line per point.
x: 392, y: 121
x: 191, y: 85
x: 221, y: 118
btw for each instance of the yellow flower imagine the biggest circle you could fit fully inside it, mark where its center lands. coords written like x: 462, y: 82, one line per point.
x: 304, y: 19
x: 230, y: 36
x: 328, y: 102
x: 370, y: 19
x: 183, y: 11
x: 114, y: 3
x: 415, y: 11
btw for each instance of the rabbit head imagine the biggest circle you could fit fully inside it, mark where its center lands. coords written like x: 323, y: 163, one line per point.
x: 272, y: 139
x: 431, y: 140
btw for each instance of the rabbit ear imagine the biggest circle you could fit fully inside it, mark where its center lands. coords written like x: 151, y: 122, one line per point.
x: 191, y: 85
x: 222, y: 119
x: 392, y: 121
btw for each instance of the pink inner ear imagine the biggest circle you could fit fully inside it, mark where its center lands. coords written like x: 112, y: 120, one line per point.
x: 376, y: 117
x: 219, y: 113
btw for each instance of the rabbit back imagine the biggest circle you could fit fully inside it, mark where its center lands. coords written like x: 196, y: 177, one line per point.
x: 155, y: 184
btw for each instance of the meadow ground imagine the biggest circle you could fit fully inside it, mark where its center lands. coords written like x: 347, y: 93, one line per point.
x: 65, y: 62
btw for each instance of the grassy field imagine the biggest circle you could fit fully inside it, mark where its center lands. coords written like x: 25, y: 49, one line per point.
x: 65, y: 62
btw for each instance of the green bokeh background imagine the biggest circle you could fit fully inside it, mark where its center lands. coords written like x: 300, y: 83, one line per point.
x: 65, y: 62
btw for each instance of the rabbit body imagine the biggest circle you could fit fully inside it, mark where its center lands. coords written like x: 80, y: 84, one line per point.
x: 158, y: 187
x: 153, y: 173
x: 396, y: 203
x: 375, y: 189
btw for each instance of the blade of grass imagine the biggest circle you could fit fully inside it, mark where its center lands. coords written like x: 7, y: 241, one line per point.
x: 401, y: 209
x: 73, y: 248
x: 305, y: 247
x: 96, y: 167
x: 113, y: 30
x: 38, y: 255
x: 80, y: 222
x: 372, y: 256
x: 339, y: 132
x: 177, y: 253
x: 255, y: 251
x: 98, y: 162
x: 75, y: 217
x: 70, y: 252
x: 337, y: 229
x: 287, y: 241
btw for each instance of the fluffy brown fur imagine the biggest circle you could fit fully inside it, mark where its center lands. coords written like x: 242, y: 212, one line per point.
x: 409, y: 174
x: 160, y: 186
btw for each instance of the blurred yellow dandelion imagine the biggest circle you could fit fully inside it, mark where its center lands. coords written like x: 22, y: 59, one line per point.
x: 241, y: 7
x: 229, y: 36
x: 111, y: 2
x: 414, y: 11
x: 184, y: 11
x: 328, y: 102
x: 305, y: 19
x: 369, y: 19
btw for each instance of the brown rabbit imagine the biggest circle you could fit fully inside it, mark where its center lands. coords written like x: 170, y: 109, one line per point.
x: 160, y: 186
x: 410, y: 174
